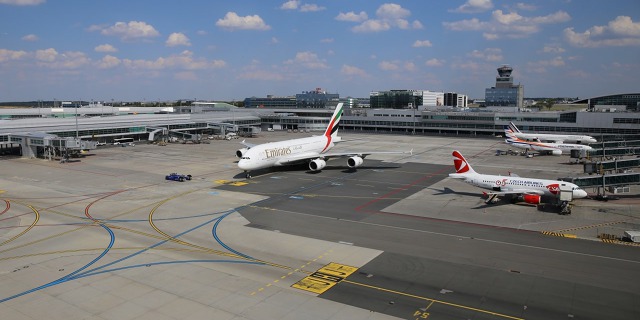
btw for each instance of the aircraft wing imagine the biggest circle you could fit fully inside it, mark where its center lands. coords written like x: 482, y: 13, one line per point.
x: 247, y: 144
x: 313, y: 155
x: 361, y: 154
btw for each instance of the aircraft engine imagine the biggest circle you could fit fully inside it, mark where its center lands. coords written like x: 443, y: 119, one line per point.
x: 317, y: 164
x: 531, y: 198
x: 241, y: 152
x: 556, y: 152
x: 354, y: 162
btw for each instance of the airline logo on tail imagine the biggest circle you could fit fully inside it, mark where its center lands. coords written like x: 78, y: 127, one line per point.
x: 513, y: 127
x: 460, y: 163
x: 332, y: 129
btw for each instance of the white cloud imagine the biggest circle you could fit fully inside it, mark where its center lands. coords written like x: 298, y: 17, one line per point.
x: 308, y: 60
x: 30, y: 37
x: 388, y: 15
x: 232, y: 21
x: 22, y: 2
x: 352, y: 16
x: 352, y: 71
x: 186, y: 76
x: 105, y: 48
x: 434, y: 62
x: 184, y: 61
x: 474, y: 6
x: 128, y: 30
x: 621, y: 31
x: 388, y: 66
x: 177, y: 39
x: 108, y: 62
x: 489, y: 54
x: 327, y: 40
x: 552, y: 49
x: 525, y: 6
x: 372, y: 26
x: 509, y: 25
x: 68, y: 60
x: 542, y: 66
x: 6, y: 55
x: 392, y: 11
x: 311, y: 8
x: 422, y: 44
x: 290, y: 5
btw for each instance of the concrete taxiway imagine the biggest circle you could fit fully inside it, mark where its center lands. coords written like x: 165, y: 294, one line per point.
x: 107, y: 237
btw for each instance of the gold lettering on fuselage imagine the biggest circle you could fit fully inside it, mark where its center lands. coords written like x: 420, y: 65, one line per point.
x: 277, y: 152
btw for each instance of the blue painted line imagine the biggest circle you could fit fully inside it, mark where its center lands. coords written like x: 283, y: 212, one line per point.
x: 79, y: 274
x: 69, y: 276
x: 214, y: 232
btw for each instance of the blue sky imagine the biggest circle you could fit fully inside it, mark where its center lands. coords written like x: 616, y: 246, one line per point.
x: 229, y: 50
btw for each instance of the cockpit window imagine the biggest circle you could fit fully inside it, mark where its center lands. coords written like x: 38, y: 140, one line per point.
x: 246, y: 158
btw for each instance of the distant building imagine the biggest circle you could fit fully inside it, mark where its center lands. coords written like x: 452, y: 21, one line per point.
x: 617, y: 102
x: 395, y: 99
x: 270, y: 102
x: 505, y: 96
x: 318, y: 99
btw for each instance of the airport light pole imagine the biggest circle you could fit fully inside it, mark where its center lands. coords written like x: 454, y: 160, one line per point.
x: 77, y: 121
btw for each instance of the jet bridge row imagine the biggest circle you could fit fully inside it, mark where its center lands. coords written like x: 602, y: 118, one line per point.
x: 611, y: 166
x: 610, y: 180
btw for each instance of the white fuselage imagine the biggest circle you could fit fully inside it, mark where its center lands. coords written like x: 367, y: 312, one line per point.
x: 511, y: 184
x: 542, y: 146
x: 556, y: 137
x: 283, y: 152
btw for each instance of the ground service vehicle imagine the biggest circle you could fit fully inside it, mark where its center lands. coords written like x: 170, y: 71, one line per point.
x: 177, y: 177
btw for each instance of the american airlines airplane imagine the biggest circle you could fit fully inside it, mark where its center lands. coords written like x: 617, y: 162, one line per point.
x: 557, y: 138
x: 529, y: 190
x: 313, y: 150
x: 555, y: 149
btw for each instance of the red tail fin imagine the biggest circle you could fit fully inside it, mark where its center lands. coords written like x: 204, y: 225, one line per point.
x: 460, y: 163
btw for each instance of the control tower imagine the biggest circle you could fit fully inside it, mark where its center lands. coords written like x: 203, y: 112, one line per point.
x: 504, y: 78
x: 505, y: 96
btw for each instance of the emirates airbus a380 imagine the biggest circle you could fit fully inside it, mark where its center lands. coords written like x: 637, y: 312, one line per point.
x: 312, y: 150
x: 528, y: 190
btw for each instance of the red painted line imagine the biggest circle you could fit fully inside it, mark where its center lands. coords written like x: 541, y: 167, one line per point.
x: 7, y: 205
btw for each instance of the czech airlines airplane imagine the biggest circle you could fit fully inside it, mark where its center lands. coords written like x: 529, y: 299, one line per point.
x: 557, y: 138
x: 555, y: 149
x: 528, y: 190
x: 313, y: 150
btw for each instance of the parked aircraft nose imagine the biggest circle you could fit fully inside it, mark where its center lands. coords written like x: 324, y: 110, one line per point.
x: 579, y: 193
x: 244, y: 164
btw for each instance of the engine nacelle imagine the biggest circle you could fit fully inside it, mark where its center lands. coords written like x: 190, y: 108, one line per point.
x: 241, y: 152
x: 354, y: 162
x: 317, y: 164
x: 556, y: 152
x: 531, y: 198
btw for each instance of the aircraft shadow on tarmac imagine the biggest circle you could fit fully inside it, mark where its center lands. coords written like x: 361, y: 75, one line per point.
x: 304, y: 167
x: 446, y: 190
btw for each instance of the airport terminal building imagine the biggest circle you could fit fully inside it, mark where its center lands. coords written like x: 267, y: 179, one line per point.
x: 105, y: 124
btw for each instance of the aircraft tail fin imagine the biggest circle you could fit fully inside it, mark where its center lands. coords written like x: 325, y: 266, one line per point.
x: 461, y: 164
x: 509, y: 134
x: 513, y: 127
x: 332, y: 128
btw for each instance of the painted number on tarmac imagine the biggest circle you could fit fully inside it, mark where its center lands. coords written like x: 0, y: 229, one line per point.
x: 325, y: 278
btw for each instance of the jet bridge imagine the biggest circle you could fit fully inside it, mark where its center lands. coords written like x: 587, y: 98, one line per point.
x: 611, y: 166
